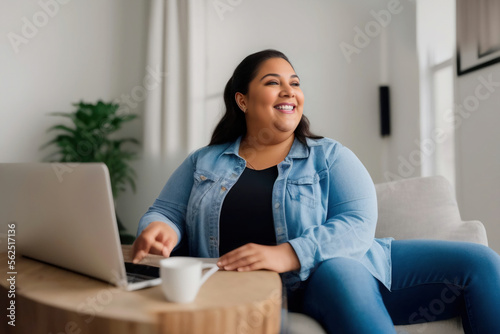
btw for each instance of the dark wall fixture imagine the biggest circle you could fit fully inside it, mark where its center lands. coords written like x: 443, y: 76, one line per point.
x: 385, y: 111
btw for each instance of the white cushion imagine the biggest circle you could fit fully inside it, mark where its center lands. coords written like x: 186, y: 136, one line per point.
x: 424, y: 208
x: 302, y: 324
x: 452, y: 326
x: 298, y: 323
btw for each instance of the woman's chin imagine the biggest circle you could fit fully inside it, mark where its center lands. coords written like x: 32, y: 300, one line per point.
x: 285, y: 127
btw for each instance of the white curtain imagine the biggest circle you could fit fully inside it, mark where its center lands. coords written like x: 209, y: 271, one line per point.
x: 174, y: 111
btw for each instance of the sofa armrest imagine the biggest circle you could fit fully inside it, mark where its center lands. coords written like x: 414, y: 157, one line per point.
x: 471, y: 231
x: 298, y: 323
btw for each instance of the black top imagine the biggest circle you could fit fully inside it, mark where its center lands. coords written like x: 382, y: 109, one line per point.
x: 247, y: 213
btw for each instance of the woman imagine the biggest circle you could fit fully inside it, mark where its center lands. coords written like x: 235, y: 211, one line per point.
x: 268, y: 194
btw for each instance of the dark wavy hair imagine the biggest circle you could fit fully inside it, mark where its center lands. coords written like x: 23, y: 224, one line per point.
x: 232, y: 124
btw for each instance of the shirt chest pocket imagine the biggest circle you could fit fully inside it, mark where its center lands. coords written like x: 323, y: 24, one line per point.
x: 304, y: 190
x: 204, y: 181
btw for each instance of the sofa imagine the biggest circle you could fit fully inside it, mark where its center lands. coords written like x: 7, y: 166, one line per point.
x: 415, y: 208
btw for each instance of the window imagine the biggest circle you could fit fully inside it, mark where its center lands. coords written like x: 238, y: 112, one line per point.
x: 436, y: 48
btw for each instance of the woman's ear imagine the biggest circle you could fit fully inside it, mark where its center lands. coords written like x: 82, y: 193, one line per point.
x: 241, y: 101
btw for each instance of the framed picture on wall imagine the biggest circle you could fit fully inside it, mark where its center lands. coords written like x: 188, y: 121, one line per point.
x: 478, y: 34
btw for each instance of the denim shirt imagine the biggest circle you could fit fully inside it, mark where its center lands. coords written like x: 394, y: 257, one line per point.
x: 324, y: 204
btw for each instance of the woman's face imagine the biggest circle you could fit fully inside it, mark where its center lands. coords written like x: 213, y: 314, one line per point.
x: 274, y: 101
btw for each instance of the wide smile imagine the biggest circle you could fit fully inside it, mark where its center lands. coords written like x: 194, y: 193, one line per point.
x: 286, y: 108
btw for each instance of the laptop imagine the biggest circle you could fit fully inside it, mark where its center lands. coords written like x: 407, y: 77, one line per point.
x: 64, y: 215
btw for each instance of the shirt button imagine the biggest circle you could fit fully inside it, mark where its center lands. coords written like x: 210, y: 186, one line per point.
x: 276, y: 205
x: 203, y: 177
x: 223, y: 188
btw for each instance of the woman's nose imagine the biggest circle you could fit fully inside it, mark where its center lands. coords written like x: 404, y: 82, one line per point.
x: 288, y: 91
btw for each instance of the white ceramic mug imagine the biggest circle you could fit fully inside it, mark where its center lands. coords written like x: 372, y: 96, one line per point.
x: 182, y: 277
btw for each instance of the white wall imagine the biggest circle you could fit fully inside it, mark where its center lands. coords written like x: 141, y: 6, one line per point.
x: 478, y: 153
x: 97, y: 50
x: 405, y: 105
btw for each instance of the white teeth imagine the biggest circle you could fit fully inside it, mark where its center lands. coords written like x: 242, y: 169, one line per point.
x: 285, y: 107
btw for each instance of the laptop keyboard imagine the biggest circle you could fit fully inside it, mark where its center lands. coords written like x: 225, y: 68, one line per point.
x: 139, y: 272
x: 134, y: 278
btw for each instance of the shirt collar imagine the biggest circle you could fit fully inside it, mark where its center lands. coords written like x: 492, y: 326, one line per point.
x: 234, y: 147
x: 298, y: 149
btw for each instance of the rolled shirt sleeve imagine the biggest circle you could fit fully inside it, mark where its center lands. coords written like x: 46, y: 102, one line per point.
x: 349, y: 229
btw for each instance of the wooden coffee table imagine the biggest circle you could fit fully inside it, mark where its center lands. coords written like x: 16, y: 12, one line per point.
x: 51, y: 300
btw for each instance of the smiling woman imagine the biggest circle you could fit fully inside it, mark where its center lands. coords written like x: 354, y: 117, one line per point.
x: 268, y: 194
x: 273, y: 106
x: 264, y: 105
x: 272, y: 98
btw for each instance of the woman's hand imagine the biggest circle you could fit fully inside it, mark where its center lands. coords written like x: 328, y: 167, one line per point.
x: 157, y: 238
x: 281, y: 258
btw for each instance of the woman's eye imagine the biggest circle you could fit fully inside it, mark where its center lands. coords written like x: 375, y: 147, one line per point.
x: 272, y: 83
x: 297, y: 84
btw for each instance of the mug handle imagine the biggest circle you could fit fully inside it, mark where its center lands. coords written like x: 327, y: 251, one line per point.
x: 209, y: 273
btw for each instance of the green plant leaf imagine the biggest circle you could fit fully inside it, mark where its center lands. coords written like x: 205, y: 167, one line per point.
x: 131, y: 182
x: 62, y: 128
x: 129, y: 117
x: 63, y: 114
x: 89, y: 141
x: 129, y: 140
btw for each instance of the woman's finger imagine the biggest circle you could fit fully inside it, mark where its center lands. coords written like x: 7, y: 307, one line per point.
x: 157, y: 248
x: 141, y: 248
x: 254, y: 266
x: 242, y: 262
x: 138, y: 256
x: 158, y: 238
x: 236, y: 254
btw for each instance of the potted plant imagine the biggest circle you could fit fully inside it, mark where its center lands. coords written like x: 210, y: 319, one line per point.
x: 89, y: 139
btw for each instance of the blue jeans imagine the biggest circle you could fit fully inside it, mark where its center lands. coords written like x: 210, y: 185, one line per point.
x: 431, y: 280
